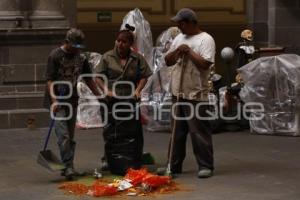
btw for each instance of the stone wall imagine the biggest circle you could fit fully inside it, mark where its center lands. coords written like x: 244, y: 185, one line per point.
x: 275, y: 23
x: 29, y: 30
x: 257, y: 11
x: 284, y: 24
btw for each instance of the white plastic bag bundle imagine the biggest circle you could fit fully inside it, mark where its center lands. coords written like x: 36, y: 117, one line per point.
x: 156, y: 98
x: 274, y: 83
x: 143, y: 34
x: 88, y: 110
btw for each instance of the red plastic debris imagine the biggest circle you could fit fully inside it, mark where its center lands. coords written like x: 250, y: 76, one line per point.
x: 156, y: 181
x: 136, y: 176
x: 143, y: 183
x: 99, y: 190
x: 74, y: 188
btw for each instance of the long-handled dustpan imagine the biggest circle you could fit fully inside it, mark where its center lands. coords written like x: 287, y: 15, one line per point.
x: 47, y: 158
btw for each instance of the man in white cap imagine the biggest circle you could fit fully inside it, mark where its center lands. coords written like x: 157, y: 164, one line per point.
x: 194, y: 50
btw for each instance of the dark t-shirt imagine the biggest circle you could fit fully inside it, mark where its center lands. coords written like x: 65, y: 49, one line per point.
x: 64, y: 66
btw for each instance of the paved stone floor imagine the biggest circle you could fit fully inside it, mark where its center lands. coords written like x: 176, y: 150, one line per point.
x: 248, y: 166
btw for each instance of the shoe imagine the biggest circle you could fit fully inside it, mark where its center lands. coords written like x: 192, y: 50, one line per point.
x: 176, y: 171
x: 205, y: 173
x: 162, y: 171
x: 69, y: 174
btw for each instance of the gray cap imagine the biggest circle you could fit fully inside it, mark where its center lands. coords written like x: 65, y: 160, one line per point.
x: 185, y: 14
x: 76, y: 38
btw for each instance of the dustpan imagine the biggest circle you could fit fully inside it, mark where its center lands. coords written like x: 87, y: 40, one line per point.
x: 47, y: 158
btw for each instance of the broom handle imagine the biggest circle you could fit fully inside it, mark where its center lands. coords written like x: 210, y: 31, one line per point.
x: 176, y: 110
x: 61, y: 92
x: 49, y: 133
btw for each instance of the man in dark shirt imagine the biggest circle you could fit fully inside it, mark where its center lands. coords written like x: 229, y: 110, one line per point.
x: 65, y: 65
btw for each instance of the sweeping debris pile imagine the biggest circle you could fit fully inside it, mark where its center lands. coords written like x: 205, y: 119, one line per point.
x: 134, y: 183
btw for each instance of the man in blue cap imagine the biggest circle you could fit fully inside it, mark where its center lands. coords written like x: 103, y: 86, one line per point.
x: 65, y: 65
x: 193, y: 50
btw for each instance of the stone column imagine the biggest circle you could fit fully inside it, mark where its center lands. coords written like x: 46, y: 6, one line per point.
x: 10, y: 14
x: 69, y: 8
x: 275, y: 23
x: 257, y: 13
x: 284, y: 24
x: 47, y: 14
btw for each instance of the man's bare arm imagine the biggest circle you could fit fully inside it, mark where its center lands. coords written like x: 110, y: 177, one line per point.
x: 199, y: 61
x: 92, y: 85
x: 53, y: 99
x: 172, y: 57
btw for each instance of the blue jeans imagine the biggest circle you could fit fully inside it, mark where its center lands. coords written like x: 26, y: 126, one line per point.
x: 64, y: 130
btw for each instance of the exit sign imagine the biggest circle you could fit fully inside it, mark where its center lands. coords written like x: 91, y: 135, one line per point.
x: 104, y: 16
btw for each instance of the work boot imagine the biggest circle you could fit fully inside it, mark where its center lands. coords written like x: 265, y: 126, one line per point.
x: 205, y: 173
x: 163, y: 171
x: 69, y: 174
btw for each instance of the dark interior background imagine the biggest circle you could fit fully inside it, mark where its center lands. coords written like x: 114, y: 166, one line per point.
x: 224, y: 35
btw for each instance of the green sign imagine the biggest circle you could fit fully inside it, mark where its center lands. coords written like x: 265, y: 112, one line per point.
x: 104, y: 16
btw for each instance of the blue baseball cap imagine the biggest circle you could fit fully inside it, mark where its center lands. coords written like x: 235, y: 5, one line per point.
x: 75, y: 37
x: 185, y: 14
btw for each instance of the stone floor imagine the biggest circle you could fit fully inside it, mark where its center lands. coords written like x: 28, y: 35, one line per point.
x: 247, y: 166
